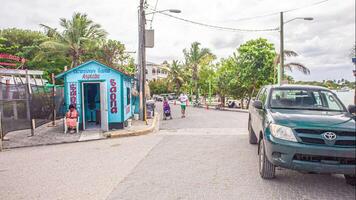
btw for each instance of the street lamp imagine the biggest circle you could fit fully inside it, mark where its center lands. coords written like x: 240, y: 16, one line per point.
x: 166, y: 10
x: 142, y: 54
x: 281, y: 63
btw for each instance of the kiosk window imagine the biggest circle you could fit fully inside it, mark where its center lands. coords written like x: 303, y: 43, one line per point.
x: 128, y: 96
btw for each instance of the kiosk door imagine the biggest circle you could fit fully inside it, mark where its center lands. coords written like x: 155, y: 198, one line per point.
x: 104, y: 107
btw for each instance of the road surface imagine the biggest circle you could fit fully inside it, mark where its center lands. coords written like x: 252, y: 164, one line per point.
x: 203, y: 156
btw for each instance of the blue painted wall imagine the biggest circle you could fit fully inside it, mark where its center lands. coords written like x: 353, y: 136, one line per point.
x: 117, y: 85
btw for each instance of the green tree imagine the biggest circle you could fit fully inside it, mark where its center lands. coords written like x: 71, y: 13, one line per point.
x: 77, y: 32
x: 108, y: 52
x: 193, y: 58
x: 206, y: 75
x: 159, y: 86
x: 255, y: 58
x: 26, y: 44
x: 129, y: 66
x: 229, y: 82
x: 175, y: 75
x: 225, y: 75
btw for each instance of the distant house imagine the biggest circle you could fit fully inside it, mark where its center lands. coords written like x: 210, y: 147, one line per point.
x: 155, y: 71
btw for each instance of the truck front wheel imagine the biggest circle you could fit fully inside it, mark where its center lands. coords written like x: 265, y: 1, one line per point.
x: 266, y: 168
x: 350, y: 179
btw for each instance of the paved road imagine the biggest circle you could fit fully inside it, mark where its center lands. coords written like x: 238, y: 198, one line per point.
x: 207, y: 156
x: 204, y: 156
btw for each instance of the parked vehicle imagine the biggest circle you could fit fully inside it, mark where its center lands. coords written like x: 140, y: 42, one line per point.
x: 231, y: 104
x: 304, y: 128
x: 157, y: 98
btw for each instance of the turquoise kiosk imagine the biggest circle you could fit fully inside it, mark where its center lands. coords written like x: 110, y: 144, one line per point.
x: 101, y: 94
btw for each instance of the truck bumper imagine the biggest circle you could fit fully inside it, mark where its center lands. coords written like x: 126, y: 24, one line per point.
x: 310, y: 158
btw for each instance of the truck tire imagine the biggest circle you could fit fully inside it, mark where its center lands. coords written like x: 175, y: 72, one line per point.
x: 350, y: 179
x: 266, y: 168
x: 251, y: 134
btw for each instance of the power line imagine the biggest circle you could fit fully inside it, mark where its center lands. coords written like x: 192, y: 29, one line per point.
x: 241, y: 19
x: 307, y: 6
x: 153, y: 14
x: 276, y: 13
x: 220, y: 27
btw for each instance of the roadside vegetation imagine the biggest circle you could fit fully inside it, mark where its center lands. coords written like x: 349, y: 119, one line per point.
x: 239, y: 76
x: 74, y: 41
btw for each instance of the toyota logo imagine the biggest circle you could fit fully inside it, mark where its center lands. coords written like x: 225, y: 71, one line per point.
x: 329, y: 136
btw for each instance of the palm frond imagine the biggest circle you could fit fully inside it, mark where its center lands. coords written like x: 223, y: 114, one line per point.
x: 290, y: 53
x: 297, y: 66
x: 54, y: 45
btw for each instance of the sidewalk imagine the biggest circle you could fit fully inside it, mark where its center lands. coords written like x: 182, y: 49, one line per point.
x: 138, y: 128
x: 44, y: 135
x: 48, y: 135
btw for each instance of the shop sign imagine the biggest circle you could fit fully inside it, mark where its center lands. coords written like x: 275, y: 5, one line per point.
x: 92, y: 71
x: 73, y: 93
x: 113, y: 96
x: 90, y: 76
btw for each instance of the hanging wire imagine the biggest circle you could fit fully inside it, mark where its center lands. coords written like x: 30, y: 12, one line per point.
x: 306, y: 6
x: 220, y: 27
x: 278, y: 12
x: 155, y: 8
x: 240, y: 19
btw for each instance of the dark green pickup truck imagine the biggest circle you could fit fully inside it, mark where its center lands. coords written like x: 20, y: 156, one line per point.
x: 304, y: 128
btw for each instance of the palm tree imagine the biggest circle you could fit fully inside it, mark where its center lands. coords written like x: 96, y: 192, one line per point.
x: 291, y: 65
x: 77, y: 32
x: 193, y: 57
x: 175, y: 74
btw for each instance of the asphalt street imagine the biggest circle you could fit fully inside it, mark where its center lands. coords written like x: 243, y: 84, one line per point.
x: 207, y: 156
x: 203, y: 156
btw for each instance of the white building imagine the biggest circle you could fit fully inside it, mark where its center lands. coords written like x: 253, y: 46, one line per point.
x: 155, y: 71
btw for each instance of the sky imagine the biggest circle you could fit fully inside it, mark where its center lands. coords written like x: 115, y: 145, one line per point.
x: 324, y: 44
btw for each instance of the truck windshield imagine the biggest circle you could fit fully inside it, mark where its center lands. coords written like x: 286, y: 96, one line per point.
x: 305, y: 100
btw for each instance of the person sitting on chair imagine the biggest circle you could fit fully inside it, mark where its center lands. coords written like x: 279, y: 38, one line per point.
x: 71, y: 118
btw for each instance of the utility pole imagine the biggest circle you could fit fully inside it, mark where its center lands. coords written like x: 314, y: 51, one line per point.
x: 142, y: 59
x: 281, y: 54
x: 54, y: 100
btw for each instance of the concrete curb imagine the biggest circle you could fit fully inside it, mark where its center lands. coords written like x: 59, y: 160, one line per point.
x: 150, y: 129
x: 226, y: 109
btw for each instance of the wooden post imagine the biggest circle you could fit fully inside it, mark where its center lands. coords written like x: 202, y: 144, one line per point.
x: 1, y: 95
x: 54, y: 100
x: 28, y: 104
x: 1, y: 136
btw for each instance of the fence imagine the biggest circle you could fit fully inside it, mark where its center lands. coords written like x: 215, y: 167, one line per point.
x: 19, y: 107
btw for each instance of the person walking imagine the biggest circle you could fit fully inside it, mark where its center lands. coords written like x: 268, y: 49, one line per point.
x: 183, y: 103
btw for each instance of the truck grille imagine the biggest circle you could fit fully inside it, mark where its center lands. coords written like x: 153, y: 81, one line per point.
x: 315, y: 136
x: 312, y: 140
x: 319, y: 132
x: 326, y: 159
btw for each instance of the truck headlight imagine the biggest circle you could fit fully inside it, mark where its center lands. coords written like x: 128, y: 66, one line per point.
x: 282, y: 132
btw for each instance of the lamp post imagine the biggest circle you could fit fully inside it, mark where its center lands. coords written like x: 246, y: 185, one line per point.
x: 142, y: 54
x: 281, y: 54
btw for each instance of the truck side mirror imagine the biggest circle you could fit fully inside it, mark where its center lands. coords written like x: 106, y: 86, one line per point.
x: 351, y: 109
x: 257, y: 104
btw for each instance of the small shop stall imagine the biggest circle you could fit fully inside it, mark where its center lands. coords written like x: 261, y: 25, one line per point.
x: 101, y: 95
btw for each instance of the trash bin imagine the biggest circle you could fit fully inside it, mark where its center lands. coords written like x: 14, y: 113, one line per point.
x: 150, y: 109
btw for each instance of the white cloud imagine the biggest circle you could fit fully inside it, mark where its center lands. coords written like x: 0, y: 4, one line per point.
x: 323, y: 44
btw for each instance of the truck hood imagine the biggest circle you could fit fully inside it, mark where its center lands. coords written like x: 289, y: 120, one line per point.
x: 313, y: 119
